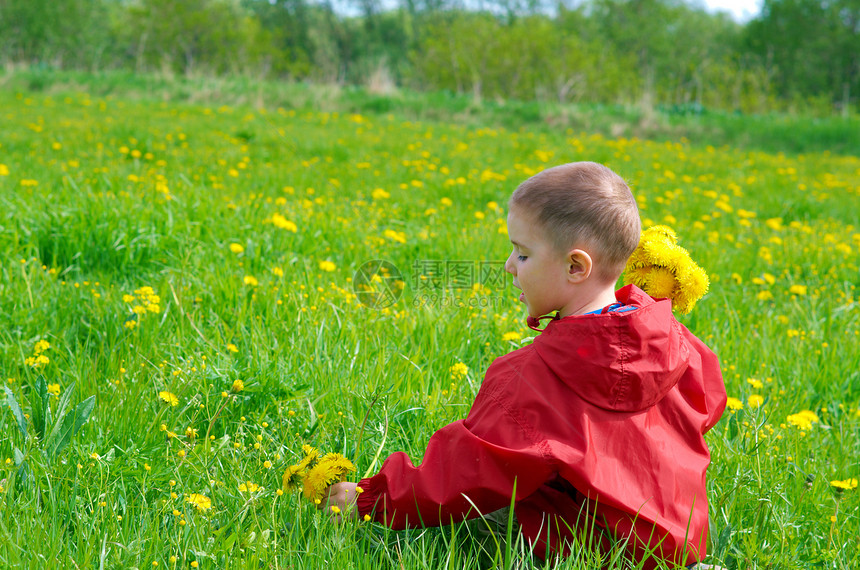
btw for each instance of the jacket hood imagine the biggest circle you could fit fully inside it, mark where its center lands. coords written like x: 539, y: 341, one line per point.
x: 619, y: 361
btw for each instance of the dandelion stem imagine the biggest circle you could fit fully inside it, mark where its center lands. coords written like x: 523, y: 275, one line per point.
x: 182, y: 311
x: 27, y: 281
x: 364, y: 423
x: 212, y: 421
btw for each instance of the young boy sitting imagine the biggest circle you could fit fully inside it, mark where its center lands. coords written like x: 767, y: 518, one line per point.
x: 595, y: 429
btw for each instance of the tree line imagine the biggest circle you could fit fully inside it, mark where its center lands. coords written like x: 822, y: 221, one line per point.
x: 801, y: 55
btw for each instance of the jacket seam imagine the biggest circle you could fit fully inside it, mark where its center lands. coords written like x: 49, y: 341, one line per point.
x: 527, y: 429
x: 622, y: 365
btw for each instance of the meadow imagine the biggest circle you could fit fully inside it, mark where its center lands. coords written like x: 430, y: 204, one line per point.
x: 192, y: 280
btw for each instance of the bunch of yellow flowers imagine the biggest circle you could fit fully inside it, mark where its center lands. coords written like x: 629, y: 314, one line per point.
x: 315, y: 473
x: 38, y: 359
x: 663, y: 269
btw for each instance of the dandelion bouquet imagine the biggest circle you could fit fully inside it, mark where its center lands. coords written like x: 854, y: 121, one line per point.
x: 316, y: 473
x: 663, y: 269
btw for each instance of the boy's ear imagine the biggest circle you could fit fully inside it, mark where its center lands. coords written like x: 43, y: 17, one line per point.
x: 579, y: 267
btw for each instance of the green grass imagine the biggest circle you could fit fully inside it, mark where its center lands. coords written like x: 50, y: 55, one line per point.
x: 108, y: 192
x: 777, y: 133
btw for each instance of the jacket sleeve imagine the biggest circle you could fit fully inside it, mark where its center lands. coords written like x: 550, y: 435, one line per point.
x: 463, y: 475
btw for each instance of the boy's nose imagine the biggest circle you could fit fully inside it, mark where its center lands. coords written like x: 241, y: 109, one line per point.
x: 509, y: 265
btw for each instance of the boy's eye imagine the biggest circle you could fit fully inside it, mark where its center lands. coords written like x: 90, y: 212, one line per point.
x: 522, y: 257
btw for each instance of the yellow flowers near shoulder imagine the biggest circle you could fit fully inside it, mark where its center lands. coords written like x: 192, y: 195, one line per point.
x: 664, y: 269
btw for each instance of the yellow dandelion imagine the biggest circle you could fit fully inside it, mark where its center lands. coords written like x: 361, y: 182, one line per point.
x: 847, y: 484
x: 281, y: 222
x: 665, y: 270
x: 664, y: 233
x: 327, y: 266
x: 236, y: 248
x: 511, y: 336
x: 797, y: 289
x: 394, y: 235
x: 755, y: 401
x: 250, y: 280
x: 337, y: 465
x: 54, y: 389
x: 168, y: 398
x: 293, y: 476
x: 200, y: 502
x: 315, y: 483
x: 803, y: 419
x: 379, y: 194
x: 238, y: 385
x: 734, y: 403
x: 693, y: 280
x: 660, y: 283
x: 311, y: 455
x: 458, y: 371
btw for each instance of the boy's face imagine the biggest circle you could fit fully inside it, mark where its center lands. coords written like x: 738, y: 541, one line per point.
x: 539, y: 269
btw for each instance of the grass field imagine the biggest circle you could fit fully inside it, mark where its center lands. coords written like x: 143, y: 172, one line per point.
x: 184, y: 275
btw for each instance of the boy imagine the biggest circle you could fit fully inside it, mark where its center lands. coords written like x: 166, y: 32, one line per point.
x: 595, y: 428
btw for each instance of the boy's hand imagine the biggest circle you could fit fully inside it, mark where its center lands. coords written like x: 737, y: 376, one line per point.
x: 341, y: 498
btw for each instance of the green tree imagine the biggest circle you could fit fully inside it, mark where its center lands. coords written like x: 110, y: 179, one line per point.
x: 285, y: 42
x: 70, y: 34
x: 187, y: 36
x: 810, y: 48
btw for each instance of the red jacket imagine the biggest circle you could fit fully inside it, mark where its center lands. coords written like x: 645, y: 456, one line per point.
x: 598, y: 424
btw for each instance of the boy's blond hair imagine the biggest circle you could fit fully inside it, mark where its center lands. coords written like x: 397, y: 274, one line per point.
x: 584, y: 205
